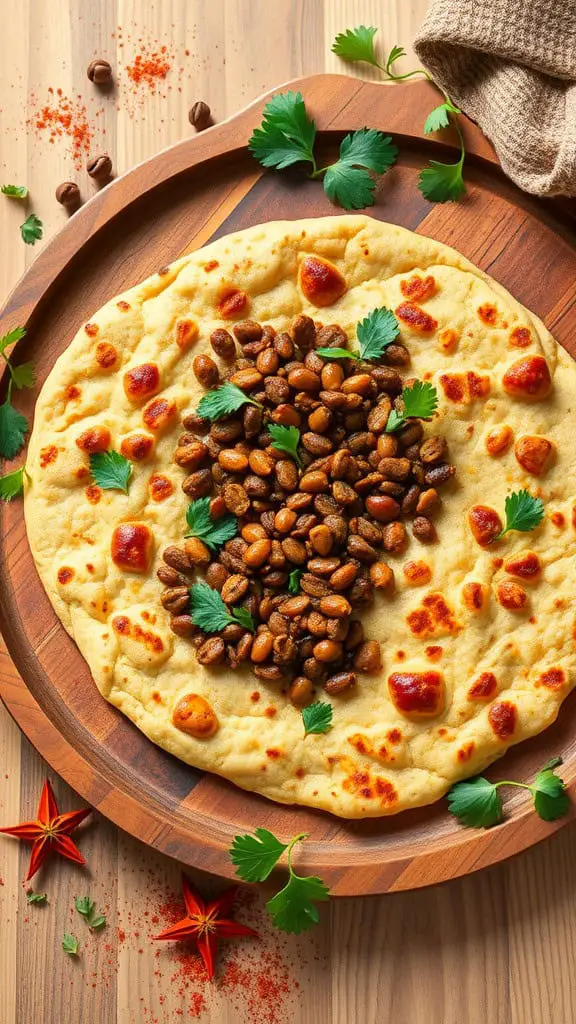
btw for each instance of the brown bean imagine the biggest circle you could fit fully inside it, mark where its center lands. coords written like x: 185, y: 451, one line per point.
x: 232, y: 632
x: 191, y: 455
x: 177, y: 558
x: 225, y: 431
x: 262, y: 647
x: 223, y: 344
x: 439, y: 474
x: 232, y: 460
x: 197, y: 552
x: 175, y: 599
x: 170, y: 577
x: 317, y: 624
x: 304, y: 380
x: 212, y: 651
x: 300, y: 691
x: 355, y: 635
x: 278, y: 624
x: 427, y: 501
x: 410, y: 500
x: 271, y: 673
x: 323, y: 566
x: 246, y: 379
x: 247, y: 331
x: 287, y: 474
x: 294, y: 550
x: 383, y: 508
x: 368, y: 657
x: 327, y: 651
x: 410, y: 434
x: 379, y: 415
x: 314, y: 586
x: 285, y: 650
x: 277, y: 390
x: 332, y: 377
x: 337, y: 629
x: 252, y: 532
x: 236, y: 498
x: 303, y: 332
x: 256, y: 554
x: 299, y: 500
x: 397, y: 355
x: 304, y: 524
x: 434, y: 449
x: 424, y: 529
x: 192, y: 421
x: 335, y: 606
x: 343, y: 577
x: 387, y: 446
x: 261, y: 463
x: 321, y: 539
x: 252, y: 421
x: 182, y: 625
x: 369, y: 531
x: 317, y: 444
x: 295, y: 606
x: 313, y: 362
x: 206, y: 371
x: 216, y: 576
x: 198, y: 484
x: 381, y: 575
x: 361, y: 550
x: 234, y: 589
x: 320, y: 420
x: 338, y: 527
x: 361, y: 593
x: 343, y: 493
x: 314, y: 669
x: 277, y: 558
x: 358, y: 384
x: 339, y: 682
x: 363, y: 441
x: 395, y: 469
x: 314, y: 483
x: 284, y: 346
x: 267, y: 362
x: 394, y: 537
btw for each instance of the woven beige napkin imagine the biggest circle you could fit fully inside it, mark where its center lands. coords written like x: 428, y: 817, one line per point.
x: 511, y: 66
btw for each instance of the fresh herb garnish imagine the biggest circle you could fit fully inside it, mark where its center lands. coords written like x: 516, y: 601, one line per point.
x: 12, y: 484
x: 210, y: 614
x: 293, y: 909
x: 111, y: 471
x: 32, y: 229
x: 420, y: 402
x: 214, y: 532
x: 14, y: 191
x: 13, y: 426
x: 36, y: 897
x: 70, y: 944
x: 357, y: 44
x: 294, y: 581
x: 523, y: 512
x: 222, y: 401
x: 287, y: 135
x: 375, y: 332
x: 285, y: 439
x: 476, y: 802
x: 86, y: 907
x: 317, y: 717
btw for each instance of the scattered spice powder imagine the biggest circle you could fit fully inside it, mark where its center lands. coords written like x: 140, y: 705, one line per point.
x: 149, y: 66
x: 64, y: 117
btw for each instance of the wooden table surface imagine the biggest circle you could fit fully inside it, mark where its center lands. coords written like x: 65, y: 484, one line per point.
x: 497, y: 947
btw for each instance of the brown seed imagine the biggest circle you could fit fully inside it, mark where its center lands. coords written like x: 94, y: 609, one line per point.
x: 317, y: 624
x: 246, y: 379
x: 267, y: 362
x: 170, y: 577
x: 225, y: 431
x: 424, y: 529
x: 182, y: 625
x: 286, y: 416
x: 287, y: 474
x: 192, y: 421
x: 332, y: 377
x: 200, y: 116
x: 314, y: 586
x: 314, y: 483
x: 361, y: 550
x: 206, y: 371
x: 314, y: 669
x: 388, y: 381
x: 277, y: 390
x: 198, y: 484
x: 232, y: 632
x: 262, y: 647
x: 341, y: 464
x: 232, y: 460
x: 303, y: 332
x: 394, y: 537
x: 335, y: 606
x: 252, y: 421
x: 304, y: 525
x: 99, y: 168
x: 323, y: 566
x: 321, y: 539
x: 68, y: 194
x: 383, y: 508
x: 256, y: 487
x: 313, y: 362
x: 244, y: 647
x: 369, y: 531
x: 410, y: 500
x: 284, y: 520
x: 320, y: 420
x: 427, y: 501
x: 300, y: 691
x: 397, y: 355
x: 277, y: 559
x: 247, y: 331
x: 234, y: 589
x: 278, y: 624
x: 439, y: 474
x: 343, y: 493
x: 394, y: 469
x: 358, y: 384
x: 411, y: 434
x: 343, y: 577
x: 337, y: 629
x: 270, y: 673
x: 285, y: 650
x: 294, y: 550
x: 339, y: 682
x: 260, y: 462
x: 252, y: 532
x: 379, y: 415
x: 256, y: 554
x: 355, y: 635
x: 283, y: 346
x: 175, y: 599
x: 191, y: 455
x: 236, y: 498
x: 295, y: 606
x: 434, y: 449
x: 381, y: 575
x: 216, y: 576
x: 223, y: 344
x: 317, y: 444
x: 212, y: 651
x: 197, y: 552
x: 368, y: 657
x: 304, y: 380
x: 327, y: 651
x: 99, y: 71
x: 176, y: 558
x: 338, y: 527
x: 361, y: 593
x: 387, y: 446
x: 334, y: 400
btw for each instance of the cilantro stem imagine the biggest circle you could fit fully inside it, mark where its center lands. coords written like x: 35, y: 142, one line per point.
x: 402, y: 78
x: 519, y: 785
x: 291, y: 844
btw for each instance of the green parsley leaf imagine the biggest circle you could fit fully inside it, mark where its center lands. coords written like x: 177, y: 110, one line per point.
x: 294, y: 581
x: 440, y: 117
x: 551, y: 799
x: 476, y: 803
x: 111, y: 471
x: 11, y: 338
x: 209, y: 612
x: 214, y: 532
x: 420, y: 402
x: 84, y: 905
x: 523, y: 512
x: 376, y: 331
x: 70, y: 944
x: 317, y: 717
x: 12, y: 484
x: 242, y: 615
x: 14, y: 191
x: 31, y: 230
x: 13, y: 430
x: 285, y: 439
x: 293, y: 909
x: 336, y: 353
x: 24, y: 375
x: 442, y: 183
x: 286, y: 135
x: 256, y: 855
x: 356, y: 44
x: 222, y: 401
x: 348, y: 182
x: 395, y: 54
x: 97, y: 922
x: 36, y: 897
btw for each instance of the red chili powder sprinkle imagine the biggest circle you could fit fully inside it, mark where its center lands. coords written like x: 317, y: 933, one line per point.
x: 149, y: 67
x: 64, y: 117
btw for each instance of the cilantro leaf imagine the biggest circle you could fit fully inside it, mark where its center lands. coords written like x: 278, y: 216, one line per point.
x: 286, y: 135
x: 294, y: 581
x: 347, y: 182
x: 551, y: 799
x: 32, y: 229
x: 222, y: 401
x: 11, y: 338
x: 285, y: 439
x: 209, y: 612
x: 420, y: 402
x: 440, y: 117
x: 293, y: 909
x: 442, y: 183
x: 523, y: 512
x: 84, y: 905
x: 12, y: 484
x: 395, y: 54
x: 356, y: 44
x: 70, y: 944
x: 111, y: 471
x: 336, y: 353
x: 256, y: 855
x: 97, y: 922
x: 24, y: 375
x: 476, y: 803
x: 214, y: 532
x: 36, y: 897
x: 244, y: 618
x: 376, y: 331
x: 13, y: 429
x: 317, y: 717
x: 14, y: 191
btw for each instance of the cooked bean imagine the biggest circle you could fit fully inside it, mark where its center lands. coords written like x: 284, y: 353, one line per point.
x: 314, y: 483
x: 314, y: 586
x: 212, y: 651
x: 338, y: 527
x: 411, y: 434
x: 361, y: 550
x: 232, y: 460
x: 339, y: 682
x: 361, y: 593
x: 397, y: 355
x: 320, y: 420
x: 434, y: 449
x: 300, y: 691
x: 234, y: 589
x: 323, y: 566
x: 262, y: 647
x: 247, y: 330
x: 427, y: 501
x: 252, y: 421
x: 197, y: 552
x: 175, y: 599
x: 294, y: 550
x: 267, y: 362
x: 321, y: 539
x: 191, y: 455
x: 368, y: 657
x: 304, y: 524
x: 287, y: 474
x: 395, y: 469
x: 177, y: 558
x: 183, y: 626
x: 424, y: 529
x: 206, y: 371
x: 343, y: 577
x: 223, y: 344
x: 394, y: 537
x: 343, y: 493
x: 236, y: 498
x: 327, y: 651
x: 439, y: 474
x: 355, y: 635
x: 381, y: 575
x: 295, y: 606
x: 358, y: 384
x: 198, y: 484
x: 192, y: 421
x: 257, y: 553
x: 170, y: 577
x: 382, y: 507
x: 335, y: 606
x: 284, y: 346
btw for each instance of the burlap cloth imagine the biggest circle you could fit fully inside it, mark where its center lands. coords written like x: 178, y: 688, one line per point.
x: 511, y: 66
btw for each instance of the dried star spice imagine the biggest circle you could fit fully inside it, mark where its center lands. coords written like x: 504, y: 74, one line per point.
x: 206, y: 923
x: 50, y: 833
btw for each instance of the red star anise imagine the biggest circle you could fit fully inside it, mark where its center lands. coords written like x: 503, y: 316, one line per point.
x: 50, y: 832
x: 206, y: 923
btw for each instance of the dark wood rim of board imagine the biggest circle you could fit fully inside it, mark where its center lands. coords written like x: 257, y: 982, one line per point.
x: 338, y: 104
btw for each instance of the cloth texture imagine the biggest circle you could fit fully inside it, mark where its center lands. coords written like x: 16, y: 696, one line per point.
x: 511, y: 66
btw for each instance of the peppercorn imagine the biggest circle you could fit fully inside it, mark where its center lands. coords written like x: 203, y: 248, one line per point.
x: 99, y: 71
x: 200, y: 115
x: 68, y: 194
x: 100, y: 168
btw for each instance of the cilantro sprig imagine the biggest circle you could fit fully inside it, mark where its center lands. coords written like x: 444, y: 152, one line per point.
x: 477, y: 802
x: 293, y: 909
x: 317, y: 717
x: 210, y: 614
x: 111, y: 471
x: 223, y: 401
x: 287, y: 136
x: 357, y: 44
x: 13, y: 425
x: 523, y: 512
x: 214, y: 532
x: 375, y: 332
x: 15, y: 191
x: 36, y: 897
x: 12, y: 484
x: 285, y: 439
x: 420, y: 402
x: 32, y: 229
x: 86, y: 908
x: 70, y: 944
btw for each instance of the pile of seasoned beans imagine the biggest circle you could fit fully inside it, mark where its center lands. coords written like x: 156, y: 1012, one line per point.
x: 334, y: 519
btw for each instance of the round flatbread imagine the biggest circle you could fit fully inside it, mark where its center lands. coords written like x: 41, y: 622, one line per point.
x: 503, y: 671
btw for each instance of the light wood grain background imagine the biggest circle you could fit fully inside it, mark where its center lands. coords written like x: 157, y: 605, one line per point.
x: 496, y: 948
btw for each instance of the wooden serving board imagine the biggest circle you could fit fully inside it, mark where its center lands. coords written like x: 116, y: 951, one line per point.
x: 170, y: 205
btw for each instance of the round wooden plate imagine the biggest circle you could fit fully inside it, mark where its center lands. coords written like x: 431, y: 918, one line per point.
x: 173, y: 203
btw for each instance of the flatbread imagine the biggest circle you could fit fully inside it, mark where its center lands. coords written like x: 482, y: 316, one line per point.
x: 375, y: 760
